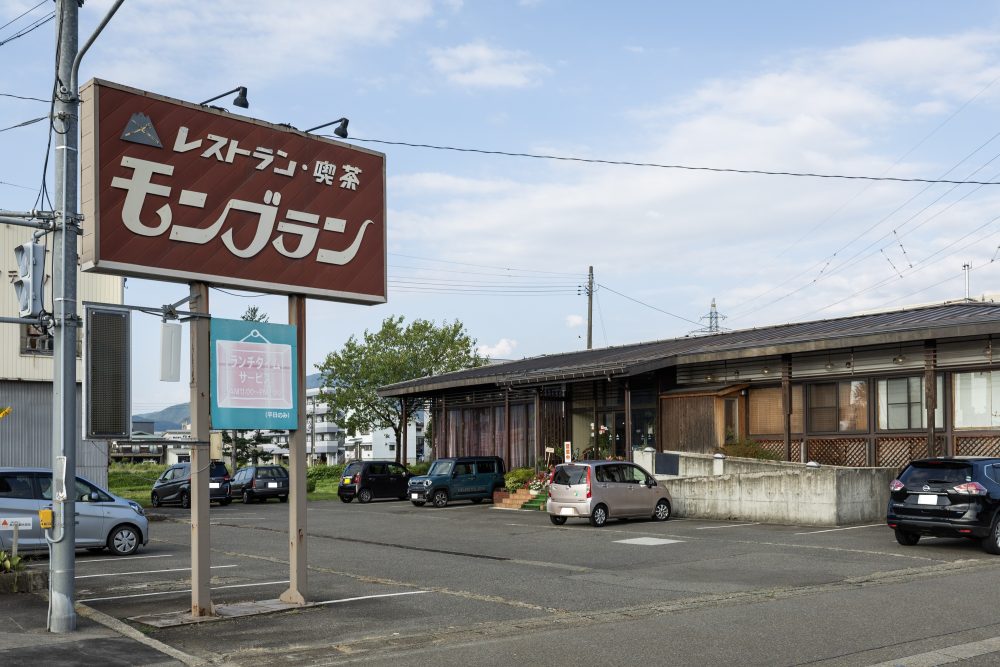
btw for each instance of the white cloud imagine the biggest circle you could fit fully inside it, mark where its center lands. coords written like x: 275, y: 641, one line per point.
x: 229, y: 41
x: 480, y: 65
x: 573, y: 321
x: 502, y: 350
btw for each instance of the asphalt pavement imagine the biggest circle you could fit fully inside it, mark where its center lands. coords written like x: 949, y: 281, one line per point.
x: 390, y: 583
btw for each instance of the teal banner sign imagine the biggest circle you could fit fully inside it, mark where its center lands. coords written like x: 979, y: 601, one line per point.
x: 253, y: 375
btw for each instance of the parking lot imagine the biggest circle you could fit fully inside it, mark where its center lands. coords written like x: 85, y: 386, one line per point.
x: 398, y: 584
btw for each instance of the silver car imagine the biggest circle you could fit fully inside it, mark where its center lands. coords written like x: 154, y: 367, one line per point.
x: 103, y: 520
x: 599, y: 490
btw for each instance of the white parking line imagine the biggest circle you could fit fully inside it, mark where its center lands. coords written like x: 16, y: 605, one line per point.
x: 831, y: 530
x: 120, y: 574
x: 731, y: 525
x: 186, y: 591
x: 370, y: 597
x: 119, y: 558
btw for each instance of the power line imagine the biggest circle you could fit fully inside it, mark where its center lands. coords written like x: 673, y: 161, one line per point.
x: 31, y: 28
x: 24, y: 124
x: 15, y: 185
x: 643, y: 303
x: 21, y: 16
x: 724, y: 170
x: 23, y: 97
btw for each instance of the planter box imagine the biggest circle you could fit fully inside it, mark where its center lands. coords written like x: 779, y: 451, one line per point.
x: 25, y: 581
x: 500, y: 496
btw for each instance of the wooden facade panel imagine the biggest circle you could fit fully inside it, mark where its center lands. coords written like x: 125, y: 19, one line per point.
x: 688, y: 424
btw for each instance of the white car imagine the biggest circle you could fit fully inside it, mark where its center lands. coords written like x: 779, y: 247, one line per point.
x: 103, y: 520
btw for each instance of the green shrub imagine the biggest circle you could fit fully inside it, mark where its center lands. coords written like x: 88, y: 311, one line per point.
x: 749, y: 449
x: 324, y: 473
x: 310, y: 485
x: 419, y: 468
x: 518, y: 478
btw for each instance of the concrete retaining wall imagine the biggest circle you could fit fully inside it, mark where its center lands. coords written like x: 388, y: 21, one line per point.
x: 775, y: 492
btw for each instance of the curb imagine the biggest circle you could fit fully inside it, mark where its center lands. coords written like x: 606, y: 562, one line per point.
x: 127, y: 630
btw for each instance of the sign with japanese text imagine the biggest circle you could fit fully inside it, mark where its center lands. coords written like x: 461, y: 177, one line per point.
x: 253, y: 375
x: 177, y: 191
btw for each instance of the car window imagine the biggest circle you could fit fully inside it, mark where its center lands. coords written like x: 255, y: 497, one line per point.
x: 633, y: 475
x: 219, y: 469
x: 271, y: 473
x: 463, y: 469
x: 396, y: 469
x: 16, y: 485
x: 946, y: 472
x: 570, y: 475
x: 993, y: 472
x: 441, y: 468
x: 486, y: 467
x: 376, y: 469
x: 352, y: 470
x: 84, y: 489
x: 603, y: 474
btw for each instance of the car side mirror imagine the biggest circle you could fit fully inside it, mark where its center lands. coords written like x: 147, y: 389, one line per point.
x: 454, y: 474
x: 650, y: 483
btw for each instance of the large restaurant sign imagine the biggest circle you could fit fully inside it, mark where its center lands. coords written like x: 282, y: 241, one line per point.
x: 176, y: 191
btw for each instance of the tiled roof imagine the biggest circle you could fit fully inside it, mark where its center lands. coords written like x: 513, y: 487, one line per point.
x: 951, y: 320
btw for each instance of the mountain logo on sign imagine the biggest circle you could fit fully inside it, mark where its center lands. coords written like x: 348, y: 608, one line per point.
x: 140, y: 130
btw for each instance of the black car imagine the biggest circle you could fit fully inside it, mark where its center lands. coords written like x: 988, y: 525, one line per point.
x: 260, y: 483
x: 947, y: 497
x: 174, y: 485
x: 366, y: 480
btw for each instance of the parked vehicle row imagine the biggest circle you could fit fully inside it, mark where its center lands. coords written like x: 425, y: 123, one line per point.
x: 255, y: 483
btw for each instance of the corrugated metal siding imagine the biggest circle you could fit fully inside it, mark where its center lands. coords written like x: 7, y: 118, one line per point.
x: 92, y: 287
x: 26, y: 433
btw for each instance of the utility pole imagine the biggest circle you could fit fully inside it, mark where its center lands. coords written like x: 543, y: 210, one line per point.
x: 62, y: 564
x: 590, y: 308
x: 967, y: 268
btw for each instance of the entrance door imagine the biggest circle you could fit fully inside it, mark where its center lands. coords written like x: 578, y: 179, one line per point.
x: 611, y: 436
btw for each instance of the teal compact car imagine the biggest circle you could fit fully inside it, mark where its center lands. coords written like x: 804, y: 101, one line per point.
x: 461, y: 478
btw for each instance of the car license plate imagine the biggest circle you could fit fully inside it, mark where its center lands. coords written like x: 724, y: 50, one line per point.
x: 414, y: 496
x: 213, y: 485
x: 347, y: 480
x: 272, y: 485
x: 926, y: 499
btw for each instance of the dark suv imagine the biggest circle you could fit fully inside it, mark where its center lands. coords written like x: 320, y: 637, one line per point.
x: 260, y: 483
x: 947, y: 497
x: 174, y: 485
x: 366, y: 480
x: 463, y: 478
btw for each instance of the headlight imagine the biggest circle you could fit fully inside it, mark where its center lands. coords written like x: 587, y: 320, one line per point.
x: 427, y: 482
x: 136, y: 507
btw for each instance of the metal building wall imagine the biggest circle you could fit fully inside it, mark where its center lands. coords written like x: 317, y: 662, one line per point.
x: 26, y: 433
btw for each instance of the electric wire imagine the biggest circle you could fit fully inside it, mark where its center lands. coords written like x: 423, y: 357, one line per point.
x: 724, y: 170
x: 23, y: 14
x: 25, y: 123
x: 643, y: 303
x: 29, y: 29
x: 24, y: 97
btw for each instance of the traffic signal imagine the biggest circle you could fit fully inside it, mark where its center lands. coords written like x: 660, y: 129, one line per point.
x: 30, y: 278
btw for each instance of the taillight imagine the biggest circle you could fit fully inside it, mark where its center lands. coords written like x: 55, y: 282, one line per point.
x: 357, y: 478
x: 225, y: 478
x: 896, y: 485
x: 253, y: 483
x: 588, y: 481
x: 970, y: 489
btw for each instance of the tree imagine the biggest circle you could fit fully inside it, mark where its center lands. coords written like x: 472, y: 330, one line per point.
x: 394, y: 353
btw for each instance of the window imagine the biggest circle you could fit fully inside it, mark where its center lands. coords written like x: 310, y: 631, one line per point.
x: 37, y: 340
x: 16, y: 485
x: 732, y: 426
x: 766, y: 416
x: 901, y: 403
x: 838, y: 406
x: 463, y: 469
x: 486, y: 467
x: 977, y: 399
x: 396, y: 469
x: 633, y: 475
x: 570, y: 475
x: 84, y: 491
x: 376, y: 469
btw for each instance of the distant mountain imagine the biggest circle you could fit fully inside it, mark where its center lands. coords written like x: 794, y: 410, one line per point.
x: 177, y: 416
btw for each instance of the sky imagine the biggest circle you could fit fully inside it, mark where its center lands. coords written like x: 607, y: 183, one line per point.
x: 891, y: 90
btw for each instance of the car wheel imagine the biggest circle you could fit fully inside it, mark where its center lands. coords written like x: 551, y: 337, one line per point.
x: 365, y: 496
x: 440, y: 498
x: 246, y: 497
x: 599, y: 516
x: 124, y: 541
x: 155, y: 499
x: 346, y: 499
x: 185, y: 500
x: 662, y: 511
x: 282, y: 499
x: 418, y: 503
x: 557, y: 520
x: 991, y: 543
x: 906, y: 538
